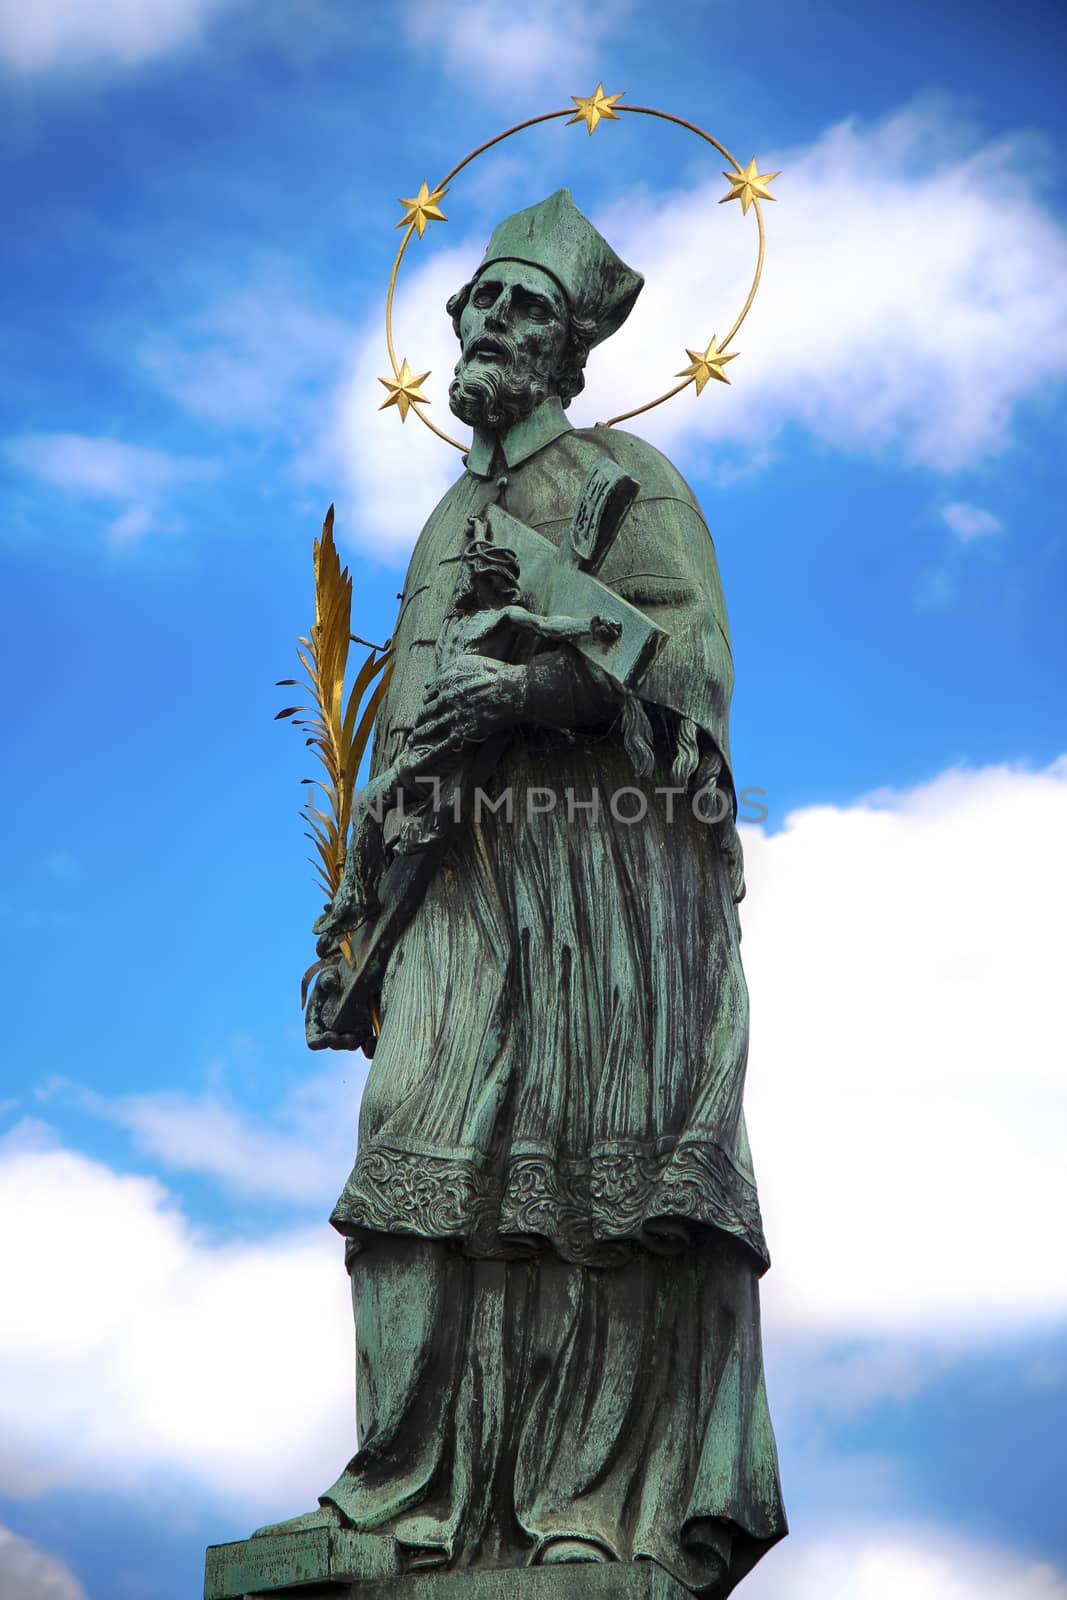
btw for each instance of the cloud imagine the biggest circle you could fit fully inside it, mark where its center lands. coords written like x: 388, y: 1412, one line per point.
x: 883, y: 1563
x: 821, y: 1383
x: 297, y: 1156
x: 28, y: 1573
x: 266, y: 359
x: 101, y: 467
x: 390, y: 473
x: 108, y: 469
x: 132, y: 1344
x: 255, y: 360
x: 495, y: 49
x: 48, y: 34
x: 905, y: 1089
x: 897, y: 253
x: 907, y: 1113
x: 970, y: 522
x: 132, y: 524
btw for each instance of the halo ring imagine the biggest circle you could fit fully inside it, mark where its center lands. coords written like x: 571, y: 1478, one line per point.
x: 411, y: 226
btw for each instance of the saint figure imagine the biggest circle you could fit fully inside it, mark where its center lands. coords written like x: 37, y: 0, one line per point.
x: 552, y: 1226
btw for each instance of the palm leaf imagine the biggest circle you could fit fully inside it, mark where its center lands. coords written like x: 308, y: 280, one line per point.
x: 364, y: 677
x: 359, y: 741
x: 337, y: 727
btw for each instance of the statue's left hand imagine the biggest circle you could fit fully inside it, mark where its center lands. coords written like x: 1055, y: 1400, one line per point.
x: 469, y: 700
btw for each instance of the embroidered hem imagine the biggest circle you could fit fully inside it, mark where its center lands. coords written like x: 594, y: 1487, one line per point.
x: 592, y: 1210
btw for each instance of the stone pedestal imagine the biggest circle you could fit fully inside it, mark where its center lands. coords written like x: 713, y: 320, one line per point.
x: 305, y: 1563
x: 318, y: 1564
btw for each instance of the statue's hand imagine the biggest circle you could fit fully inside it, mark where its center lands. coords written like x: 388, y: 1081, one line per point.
x: 472, y: 698
x: 319, y: 1035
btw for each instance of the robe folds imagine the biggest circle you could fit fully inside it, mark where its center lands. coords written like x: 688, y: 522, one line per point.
x: 554, y: 1232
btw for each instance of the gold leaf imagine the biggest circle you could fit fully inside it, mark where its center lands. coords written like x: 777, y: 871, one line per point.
x: 363, y: 732
x: 337, y: 727
x: 365, y: 676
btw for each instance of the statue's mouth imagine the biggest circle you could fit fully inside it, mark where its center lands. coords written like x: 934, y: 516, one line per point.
x: 489, y: 349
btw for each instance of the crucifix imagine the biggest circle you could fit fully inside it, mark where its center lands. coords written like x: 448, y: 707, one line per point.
x: 563, y: 602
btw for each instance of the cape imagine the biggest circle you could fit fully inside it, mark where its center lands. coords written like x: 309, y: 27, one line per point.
x: 662, y: 561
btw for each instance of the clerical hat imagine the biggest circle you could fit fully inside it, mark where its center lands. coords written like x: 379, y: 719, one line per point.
x: 556, y: 237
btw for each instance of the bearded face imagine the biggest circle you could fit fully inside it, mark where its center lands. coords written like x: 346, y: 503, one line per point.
x: 514, y: 337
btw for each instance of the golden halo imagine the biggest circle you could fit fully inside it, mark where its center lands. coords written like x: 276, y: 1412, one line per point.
x: 747, y: 184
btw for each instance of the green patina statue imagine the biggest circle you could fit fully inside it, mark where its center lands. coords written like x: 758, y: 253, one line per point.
x: 552, y: 1225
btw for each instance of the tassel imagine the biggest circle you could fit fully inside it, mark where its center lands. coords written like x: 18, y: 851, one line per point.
x: 686, y: 753
x: 637, y: 735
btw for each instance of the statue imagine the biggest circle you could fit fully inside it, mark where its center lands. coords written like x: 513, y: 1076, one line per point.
x: 552, y: 1226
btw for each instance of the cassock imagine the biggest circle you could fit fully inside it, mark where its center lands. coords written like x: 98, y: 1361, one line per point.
x: 553, y: 1228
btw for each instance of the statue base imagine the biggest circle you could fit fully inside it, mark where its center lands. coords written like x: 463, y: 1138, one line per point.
x: 320, y: 1563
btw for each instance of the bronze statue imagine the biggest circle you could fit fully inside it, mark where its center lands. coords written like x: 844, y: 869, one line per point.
x: 552, y: 1224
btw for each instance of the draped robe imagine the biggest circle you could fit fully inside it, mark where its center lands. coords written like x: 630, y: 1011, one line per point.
x: 554, y: 1233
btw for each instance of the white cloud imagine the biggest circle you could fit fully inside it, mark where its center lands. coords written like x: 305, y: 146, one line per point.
x: 821, y: 1382
x: 132, y: 524
x: 108, y: 469
x: 908, y: 1117
x: 299, y: 1155
x: 883, y: 1563
x: 390, y: 473
x: 255, y: 359
x: 970, y: 522
x: 132, y: 1344
x: 48, y: 34
x: 897, y: 254
x: 29, y: 1573
x: 906, y: 1086
x: 495, y: 48
x: 266, y: 359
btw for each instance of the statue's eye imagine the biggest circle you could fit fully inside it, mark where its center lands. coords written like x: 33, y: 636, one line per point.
x: 484, y: 297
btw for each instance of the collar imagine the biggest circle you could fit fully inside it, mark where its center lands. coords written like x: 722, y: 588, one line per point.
x: 522, y: 440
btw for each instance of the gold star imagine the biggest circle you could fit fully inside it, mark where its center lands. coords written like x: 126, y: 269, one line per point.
x: 592, y: 107
x: 423, y: 208
x: 749, y: 185
x: 708, y: 364
x: 404, y: 391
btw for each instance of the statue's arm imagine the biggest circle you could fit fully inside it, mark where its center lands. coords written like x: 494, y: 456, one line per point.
x: 561, y: 692
x: 477, y: 697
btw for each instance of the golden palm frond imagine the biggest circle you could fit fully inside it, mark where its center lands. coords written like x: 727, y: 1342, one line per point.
x: 336, y: 728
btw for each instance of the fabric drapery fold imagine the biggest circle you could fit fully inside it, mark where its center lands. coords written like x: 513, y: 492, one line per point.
x: 552, y: 1069
x: 506, y: 1405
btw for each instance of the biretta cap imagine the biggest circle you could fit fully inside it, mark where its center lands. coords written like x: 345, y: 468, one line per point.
x: 556, y: 237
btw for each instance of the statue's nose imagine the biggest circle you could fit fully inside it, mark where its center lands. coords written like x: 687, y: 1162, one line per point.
x: 498, y: 315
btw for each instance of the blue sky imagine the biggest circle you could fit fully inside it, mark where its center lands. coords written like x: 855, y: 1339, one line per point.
x: 200, y: 199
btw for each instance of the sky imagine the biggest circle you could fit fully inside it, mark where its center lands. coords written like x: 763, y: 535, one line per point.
x: 201, y: 198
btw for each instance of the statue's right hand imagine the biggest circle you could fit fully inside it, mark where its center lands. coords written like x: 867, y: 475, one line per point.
x: 320, y: 1036
x: 351, y: 906
x: 331, y: 926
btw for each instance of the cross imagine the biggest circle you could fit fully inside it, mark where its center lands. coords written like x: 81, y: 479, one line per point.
x: 555, y: 581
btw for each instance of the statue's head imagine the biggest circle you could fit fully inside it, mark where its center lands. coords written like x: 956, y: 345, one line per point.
x: 548, y: 290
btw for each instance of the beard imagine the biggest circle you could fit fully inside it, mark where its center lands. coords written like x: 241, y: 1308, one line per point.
x: 494, y: 394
